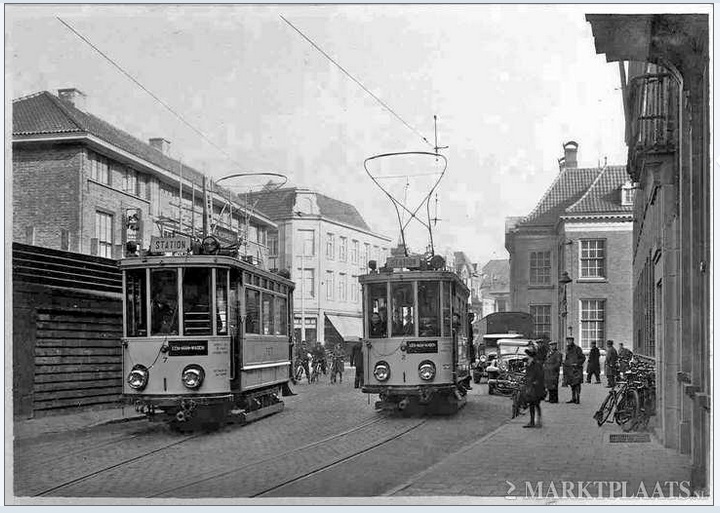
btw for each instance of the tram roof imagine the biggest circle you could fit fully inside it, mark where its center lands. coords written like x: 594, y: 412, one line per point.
x: 395, y: 276
x: 158, y: 261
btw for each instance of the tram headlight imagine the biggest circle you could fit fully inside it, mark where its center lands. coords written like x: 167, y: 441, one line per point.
x: 482, y: 358
x: 193, y: 376
x: 138, y: 377
x: 426, y: 370
x: 381, y: 371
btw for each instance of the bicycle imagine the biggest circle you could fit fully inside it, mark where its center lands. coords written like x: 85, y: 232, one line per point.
x: 315, y: 372
x: 633, y: 399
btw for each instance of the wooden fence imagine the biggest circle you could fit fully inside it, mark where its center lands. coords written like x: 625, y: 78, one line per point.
x: 67, y: 324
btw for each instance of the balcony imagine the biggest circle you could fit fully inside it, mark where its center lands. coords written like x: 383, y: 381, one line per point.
x: 652, y: 116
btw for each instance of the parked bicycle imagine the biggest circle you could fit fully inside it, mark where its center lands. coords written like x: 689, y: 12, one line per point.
x: 632, y: 399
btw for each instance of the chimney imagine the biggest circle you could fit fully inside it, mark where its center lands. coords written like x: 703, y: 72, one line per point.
x: 570, y: 148
x: 74, y: 97
x: 160, y: 144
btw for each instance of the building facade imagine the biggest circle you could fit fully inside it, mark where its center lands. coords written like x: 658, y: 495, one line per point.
x: 83, y: 185
x: 570, y: 258
x: 495, y: 287
x: 326, y: 244
x: 665, y: 76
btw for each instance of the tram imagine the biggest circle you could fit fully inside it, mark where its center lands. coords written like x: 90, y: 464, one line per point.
x: 206, y: 334
x: 415, y: 344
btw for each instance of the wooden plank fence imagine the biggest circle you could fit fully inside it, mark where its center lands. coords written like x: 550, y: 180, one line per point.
x: 68, y: 316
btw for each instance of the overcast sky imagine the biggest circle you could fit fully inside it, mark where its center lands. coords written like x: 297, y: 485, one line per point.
x: 509, y: 84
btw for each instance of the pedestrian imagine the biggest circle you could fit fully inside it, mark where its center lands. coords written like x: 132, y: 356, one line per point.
x: 534, y: 388
x: 356, y: 360
x: 338, y: 363
x: 573, y: 368
x: 593, y: 366
x: 543, y: 347
x: 611, y: 357
x: 551, y: 369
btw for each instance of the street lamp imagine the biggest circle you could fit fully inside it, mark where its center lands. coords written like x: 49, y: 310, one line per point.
x: 565, y: 280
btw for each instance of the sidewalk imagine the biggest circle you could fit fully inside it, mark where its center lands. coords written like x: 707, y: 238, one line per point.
x: 551, y: 461
x: 29, y: 428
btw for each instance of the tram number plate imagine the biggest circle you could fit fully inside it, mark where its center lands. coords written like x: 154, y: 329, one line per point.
x: 422, y: 346
x: 188, y: 348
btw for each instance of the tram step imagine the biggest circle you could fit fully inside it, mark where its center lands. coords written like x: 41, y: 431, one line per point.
x: 243, y: 416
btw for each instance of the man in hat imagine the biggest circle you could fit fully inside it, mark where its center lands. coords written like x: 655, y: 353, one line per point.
x: 573, y: 368
x: 611, y: 357
x: 593, y: 366
x: 534, y: 387
x: 551, y: 369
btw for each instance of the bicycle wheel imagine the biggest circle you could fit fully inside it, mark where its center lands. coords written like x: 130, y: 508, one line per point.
x: 299, y: 373
x: 627, y: 412
x: 605, y: 409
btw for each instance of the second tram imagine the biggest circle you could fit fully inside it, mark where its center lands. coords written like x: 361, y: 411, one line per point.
x: 415, y: 347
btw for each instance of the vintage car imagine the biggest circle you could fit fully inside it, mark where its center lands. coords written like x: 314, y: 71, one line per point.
x: 510, y: 362
x: 487, y: 353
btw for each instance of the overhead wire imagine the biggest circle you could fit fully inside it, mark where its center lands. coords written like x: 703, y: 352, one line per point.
x: 349, y: 75
x: 153, y: 95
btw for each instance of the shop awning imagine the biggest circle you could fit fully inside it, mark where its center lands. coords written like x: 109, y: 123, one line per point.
x: 350, y: 328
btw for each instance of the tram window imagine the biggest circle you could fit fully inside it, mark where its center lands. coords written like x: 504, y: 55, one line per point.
x: 446, y: 309
x: 136, y: 294
x: 403, y: 309
x: 280, y: 316
x: 268, y: 310
x: 234, y: 301
x: 221, y: 304
x: 252, y: 311
x: 164, y: 293
x: 377, y: 306
x: 196, y: 301
x: 429, y: 308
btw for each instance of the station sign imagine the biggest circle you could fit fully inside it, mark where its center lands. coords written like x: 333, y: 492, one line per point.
x: 400, y: 262
x: 169, y: 244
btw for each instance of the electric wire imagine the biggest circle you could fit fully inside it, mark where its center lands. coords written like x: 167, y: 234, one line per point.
x: 381, y: 102
x: 153, y: 95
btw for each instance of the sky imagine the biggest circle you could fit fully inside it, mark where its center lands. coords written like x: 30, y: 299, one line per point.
x: 509, y: 85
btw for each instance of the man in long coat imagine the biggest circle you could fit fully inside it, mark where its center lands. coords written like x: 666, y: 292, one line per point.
x: 356, y: 360
x: 551, y: 370
x: 593, y: 366
x: 573, y: 368
x: 611, y: 357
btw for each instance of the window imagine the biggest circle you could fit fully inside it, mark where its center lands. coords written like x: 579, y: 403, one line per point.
x: 377, y: 306
x: 592, y: 258
x: 273, y: 245
x: 500, y: 305
x: 342, y: 249
x: 342, y: 287
x: 354, y: 289
x: 196, y: 301
x: 592, y: 322
x: 103, y: 233
x: 330, y: 247
x: 429, y: 308
x: 164, y: 294
x: 307, y: 242
x: 365, y: 255
x: 131, y: 182
x: 540, y: 268
x: 252, y: 311
x: 281, y: 319
x: 268, y: 314
x: 99, y: 168
x: 329, y: 284
x: 446, y: 293
x: 306, y: 287
x: 221, y: 301
x: 541, y: 317
x: 403, y: 309
x: 135, y: 293
x: 354, y: 251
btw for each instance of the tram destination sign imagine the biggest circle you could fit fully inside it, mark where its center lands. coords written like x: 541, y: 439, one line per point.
x: 422, y: 346
x: 169, y: 244
x: 188, y: 347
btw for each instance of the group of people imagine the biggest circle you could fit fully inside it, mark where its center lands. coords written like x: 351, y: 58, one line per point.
x: 542, y: 375
x: 308, y: 358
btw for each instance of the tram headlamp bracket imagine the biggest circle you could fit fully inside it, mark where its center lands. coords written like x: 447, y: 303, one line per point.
x: 193, y: 376
x: 138, y: 377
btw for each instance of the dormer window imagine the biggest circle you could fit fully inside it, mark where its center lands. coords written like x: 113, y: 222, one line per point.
x: 627, y: 194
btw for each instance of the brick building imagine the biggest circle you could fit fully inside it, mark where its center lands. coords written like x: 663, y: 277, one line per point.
x: 570, y: 258
x: 665, y: 76
x: 327, y: 244
x: 83, y: 185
